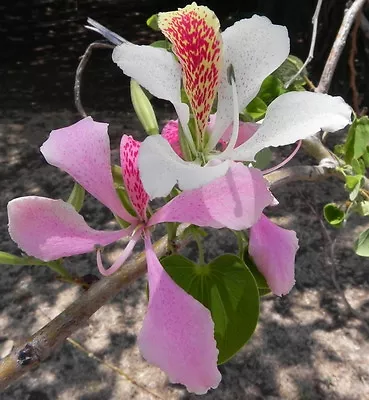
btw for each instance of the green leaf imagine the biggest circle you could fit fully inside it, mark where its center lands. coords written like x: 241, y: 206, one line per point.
x: 333, y: 214
x: 357, y: 139
x: 256, y: 109
x: 270, y: 89
x: 362, y: 208
x: 152, y: 22
x: 353, y: 185
x: 263, y: 158
x: 361, y: 245
x: 288, y: 69
x: 10, y: 259
x: 358, y: 166
x: 77, y: 197
x: 228, y: 289
x: 162, y: 44
x: 260, y: 280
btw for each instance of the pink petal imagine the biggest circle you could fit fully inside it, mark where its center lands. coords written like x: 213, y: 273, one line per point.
x: 273, y: 249
x: 50, y: 229
x: 131, y: 176
x: 235, y: 201
x: 245, y: 131
x: 170, y: 132
x: 83, y: 151
x: 178, y: 332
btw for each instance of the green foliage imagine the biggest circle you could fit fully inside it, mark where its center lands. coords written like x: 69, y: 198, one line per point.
x: 77, y: 197
x: 353, y: 185
x: 288, y: 69
x: 256, y: 109
x: 362, y: 244
x: 263, y: 158
x: 10, y: 259
x: 152, y: 22
x: 260, y: 280
x: 334, y: 215
x: 228, y: 289
x: 357, y: 141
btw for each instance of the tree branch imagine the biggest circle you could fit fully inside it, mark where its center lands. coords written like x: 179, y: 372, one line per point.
x: 338, y: 45
x: 43, y: 343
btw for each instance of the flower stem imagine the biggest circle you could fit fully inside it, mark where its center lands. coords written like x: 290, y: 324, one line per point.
x: 60, y: 270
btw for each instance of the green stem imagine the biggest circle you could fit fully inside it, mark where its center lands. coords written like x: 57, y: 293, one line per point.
x: 172, y: 233
x: 241, y: 242
x: 200, y: 247
x: 60, y: 270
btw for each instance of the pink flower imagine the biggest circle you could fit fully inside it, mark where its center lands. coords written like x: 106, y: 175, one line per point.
x: 272, y: 247
x: 178, y: 332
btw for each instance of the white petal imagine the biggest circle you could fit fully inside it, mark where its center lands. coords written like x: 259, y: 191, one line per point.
x: 255, y: 48
x: 294, y: 116
x: 161, y: 169
x: 156, y: 70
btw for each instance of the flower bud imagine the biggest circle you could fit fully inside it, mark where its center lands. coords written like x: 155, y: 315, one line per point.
x: 143, y: 109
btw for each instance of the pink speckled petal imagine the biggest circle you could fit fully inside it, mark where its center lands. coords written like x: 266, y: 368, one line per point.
x: 274, y: 249
x: 49, y: 229
x: 170, y: 132
x: 131, y: 175
x: 178, y: 332
x: 235, y: 201
x: 83, y: 151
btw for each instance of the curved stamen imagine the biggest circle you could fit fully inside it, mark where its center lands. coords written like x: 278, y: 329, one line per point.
x: 122, y: 257
x: 284, y: 162
x: 107, y: 33
x: 236, y: 115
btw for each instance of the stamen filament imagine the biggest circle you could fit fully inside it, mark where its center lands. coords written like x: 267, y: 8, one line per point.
x: 122, y: 257
x: 284, y: 162
x: 236, y: 119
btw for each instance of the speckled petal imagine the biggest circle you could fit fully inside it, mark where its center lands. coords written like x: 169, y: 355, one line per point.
x: 83, y: 151
x: 161, y: 169
x: 255, y: 48
x: 194, y: 33
x: 235, y: 201
x: 131, y: 175
x: 156, y: 70
x: 274, y: 249
x: 295, y: 116
x: 171, y: 134
x: 178, y: 332
x: 49, y: 229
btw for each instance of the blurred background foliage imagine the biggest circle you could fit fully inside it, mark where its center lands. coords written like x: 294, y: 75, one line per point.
x: 42, y: 41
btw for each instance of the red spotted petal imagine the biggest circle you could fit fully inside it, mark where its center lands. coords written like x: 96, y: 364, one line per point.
x: 131, y: 176
x: 194, y: 33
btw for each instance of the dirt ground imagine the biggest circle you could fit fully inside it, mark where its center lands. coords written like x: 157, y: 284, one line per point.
x: 306, y: 345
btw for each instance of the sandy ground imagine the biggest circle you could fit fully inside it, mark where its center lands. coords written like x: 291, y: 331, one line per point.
x: 305, y: 347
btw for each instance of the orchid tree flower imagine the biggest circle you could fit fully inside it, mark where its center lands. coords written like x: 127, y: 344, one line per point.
x: 178, y: 331
x: 223, y: 68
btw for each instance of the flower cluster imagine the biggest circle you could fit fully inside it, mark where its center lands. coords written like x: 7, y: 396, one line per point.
x: 203, y: 154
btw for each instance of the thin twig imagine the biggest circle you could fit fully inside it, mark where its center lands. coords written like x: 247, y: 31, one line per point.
x: 80, y: 70
x: 114, y: 368
x: 338, y: 45
x: 331, y: 261
x: 312, y: 44
x: 351, y: 64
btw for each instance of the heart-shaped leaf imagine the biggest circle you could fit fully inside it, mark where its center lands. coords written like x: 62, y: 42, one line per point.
x: 228, y: 289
